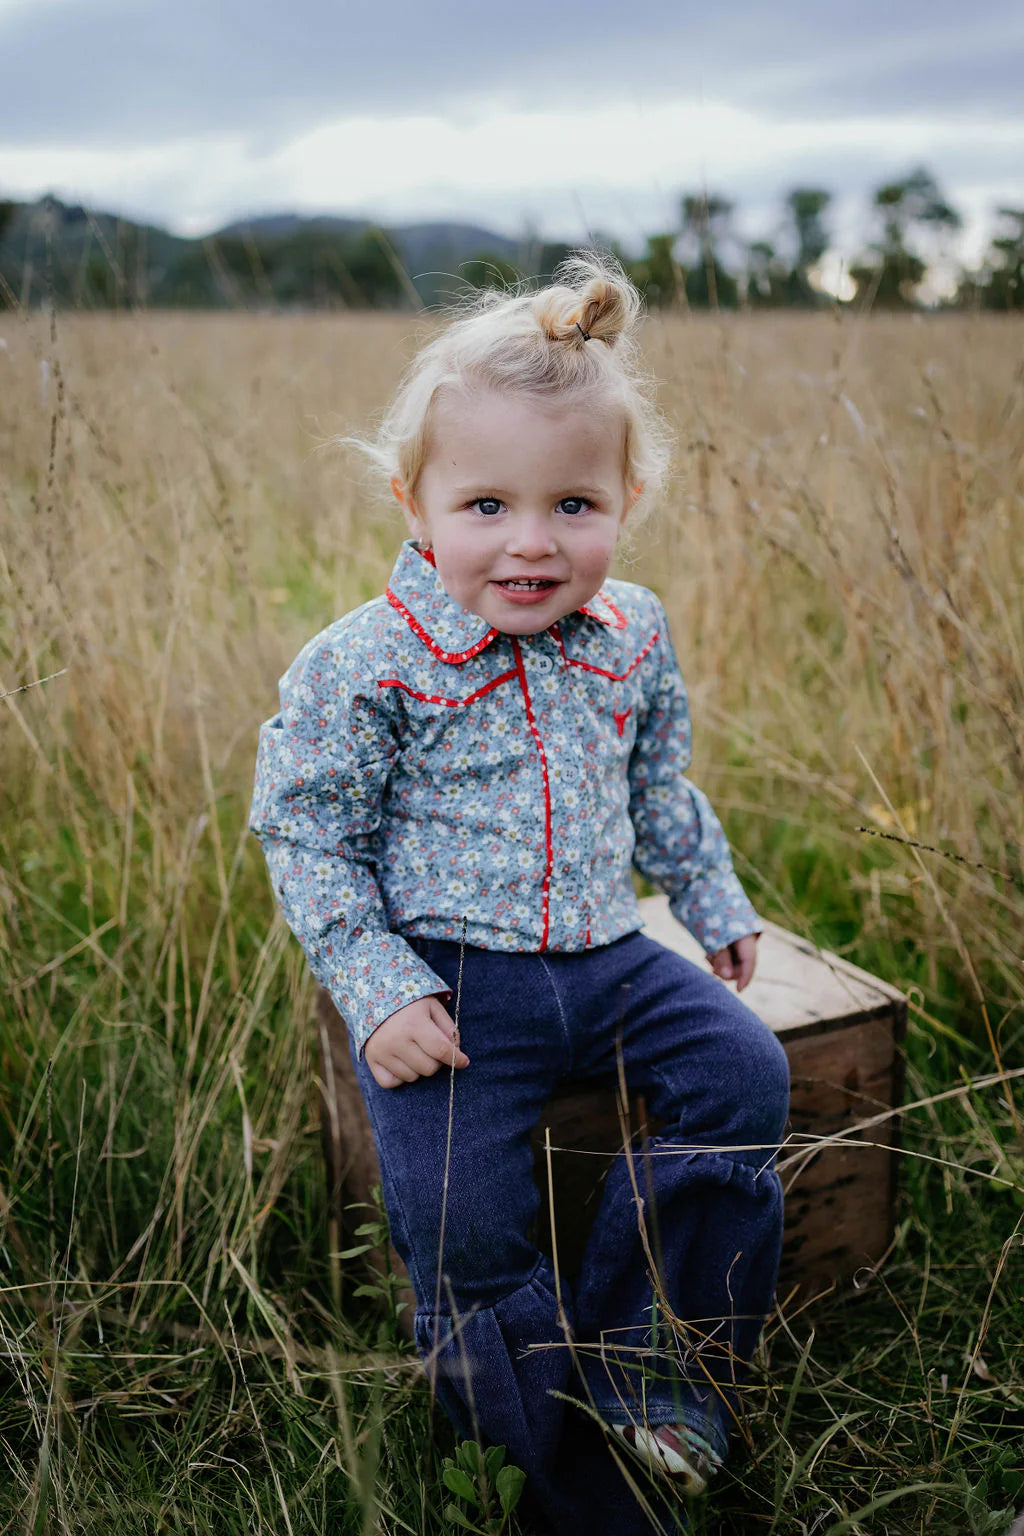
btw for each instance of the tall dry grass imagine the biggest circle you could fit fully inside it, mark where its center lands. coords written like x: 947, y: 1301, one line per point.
x: 842, y: 558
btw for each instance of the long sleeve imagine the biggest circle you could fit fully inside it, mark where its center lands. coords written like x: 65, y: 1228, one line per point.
x: 321, y: 769
x: 680, y: 844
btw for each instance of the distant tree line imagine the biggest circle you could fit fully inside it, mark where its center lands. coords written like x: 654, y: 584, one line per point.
x: 703, y: 263
x: 99, y: 262
x: 307, y: 267
x: 65, y: 254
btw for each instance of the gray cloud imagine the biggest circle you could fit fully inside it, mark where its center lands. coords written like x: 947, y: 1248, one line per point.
x: 107, y: 73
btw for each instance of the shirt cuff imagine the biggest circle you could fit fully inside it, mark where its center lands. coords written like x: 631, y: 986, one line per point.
x: 716, y: 910
x: 379, y: 973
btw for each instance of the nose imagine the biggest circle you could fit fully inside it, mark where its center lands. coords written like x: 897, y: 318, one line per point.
x: 530, y: 536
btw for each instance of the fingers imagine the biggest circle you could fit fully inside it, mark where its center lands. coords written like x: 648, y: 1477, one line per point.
x: 382, y: 1076
x: 427, y: 1057
x: 411, y: 1061
x: 413, y: 1043
x: 745, y: 951
x: 721, y: 964
x: 443, y: 1020
x: 444, y: 1029
x: 392, y: 1068
x: 440, y: 1047
x: 737, y: 961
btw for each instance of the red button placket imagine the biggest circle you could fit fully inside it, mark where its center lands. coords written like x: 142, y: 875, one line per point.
x: 579, y: 769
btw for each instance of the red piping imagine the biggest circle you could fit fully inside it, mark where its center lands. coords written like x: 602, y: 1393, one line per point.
x: 548, y: 850
x: 620, y: 617
x: 435, y: 698
x: 617, y: 677
x: 417, y: 629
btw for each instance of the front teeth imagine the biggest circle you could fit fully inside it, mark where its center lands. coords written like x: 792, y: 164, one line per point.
x: 528, y: 586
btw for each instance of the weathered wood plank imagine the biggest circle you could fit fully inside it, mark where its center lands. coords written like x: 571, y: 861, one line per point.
x: 797, y: 989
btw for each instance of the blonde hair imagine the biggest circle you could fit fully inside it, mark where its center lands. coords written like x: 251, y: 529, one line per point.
x: 577, y: 335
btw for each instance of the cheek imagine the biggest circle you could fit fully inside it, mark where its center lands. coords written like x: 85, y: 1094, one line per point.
x: 456, y: 562
x: 464, y: 549
x: 597, y: 555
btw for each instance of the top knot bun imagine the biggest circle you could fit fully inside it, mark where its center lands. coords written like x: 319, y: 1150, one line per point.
x: 543, y: 345
x: 591, y: 300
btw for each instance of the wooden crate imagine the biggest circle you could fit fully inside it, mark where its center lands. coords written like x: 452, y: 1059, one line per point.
x: 842, y: 1031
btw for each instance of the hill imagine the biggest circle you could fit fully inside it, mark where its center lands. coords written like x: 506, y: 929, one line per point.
x: 101, y: 260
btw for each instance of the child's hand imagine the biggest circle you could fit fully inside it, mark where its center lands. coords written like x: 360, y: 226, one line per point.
x: 413, y: 1043
x: 736, y: 962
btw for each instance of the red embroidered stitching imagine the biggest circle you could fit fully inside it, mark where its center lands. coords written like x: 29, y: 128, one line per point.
x: 417, y: 629
x: 617, y: 677
x: 620, y: 720
x: 620, y: 618
x: 548, y: 848
x: 435, y: 698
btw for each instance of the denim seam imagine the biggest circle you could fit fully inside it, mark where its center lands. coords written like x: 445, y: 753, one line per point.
x: 412, y: 1265
x: 656, y: 1071
x: 561, y: 1011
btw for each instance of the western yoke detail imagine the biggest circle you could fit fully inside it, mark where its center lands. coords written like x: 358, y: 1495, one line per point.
x: 425, y: 767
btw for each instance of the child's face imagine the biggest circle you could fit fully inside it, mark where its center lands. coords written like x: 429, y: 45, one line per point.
x: 522, y: 501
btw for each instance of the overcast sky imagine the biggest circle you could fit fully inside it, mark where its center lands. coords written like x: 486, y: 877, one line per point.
x: 569, y: 115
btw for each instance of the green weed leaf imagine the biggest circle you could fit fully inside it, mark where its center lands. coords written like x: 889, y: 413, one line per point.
x: 457, y: 1481
x: 468, y: 1455
x: 509, y: 1483
x: 453, y: 1513
x: 494, y: 1460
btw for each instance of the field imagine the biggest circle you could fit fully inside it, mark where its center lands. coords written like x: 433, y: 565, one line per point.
x: 841, y: 553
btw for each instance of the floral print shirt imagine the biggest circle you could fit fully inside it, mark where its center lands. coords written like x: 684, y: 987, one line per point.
x: 426, y: 769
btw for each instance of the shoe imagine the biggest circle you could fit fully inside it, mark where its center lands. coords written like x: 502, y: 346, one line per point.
x: 673, y: 1451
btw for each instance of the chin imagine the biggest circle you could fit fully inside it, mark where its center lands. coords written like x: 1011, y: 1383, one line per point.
x: 526, y: 620
x: 526, y: 627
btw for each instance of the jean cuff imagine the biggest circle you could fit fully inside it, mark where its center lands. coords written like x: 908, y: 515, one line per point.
x: 706, y: 1424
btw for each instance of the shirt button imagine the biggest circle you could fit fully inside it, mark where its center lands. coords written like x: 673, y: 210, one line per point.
x: 543, y: 663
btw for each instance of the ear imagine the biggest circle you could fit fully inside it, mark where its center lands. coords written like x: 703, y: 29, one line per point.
x: 407, y: 505
x: 632, y: 495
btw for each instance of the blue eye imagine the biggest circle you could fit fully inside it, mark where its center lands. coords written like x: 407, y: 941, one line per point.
x: 488, y: 505
x: 573, y: 504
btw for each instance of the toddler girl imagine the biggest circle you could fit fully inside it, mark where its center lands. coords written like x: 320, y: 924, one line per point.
x: 486, y: 750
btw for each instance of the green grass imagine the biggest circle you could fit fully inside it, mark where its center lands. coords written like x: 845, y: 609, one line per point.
x: 173, y: 1358
x: 178, y: 1351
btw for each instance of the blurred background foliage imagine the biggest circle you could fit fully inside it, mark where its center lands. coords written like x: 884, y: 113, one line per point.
x: 95, y: 260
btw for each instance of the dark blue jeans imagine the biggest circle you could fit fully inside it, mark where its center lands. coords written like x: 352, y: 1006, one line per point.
x: 710, y: 1202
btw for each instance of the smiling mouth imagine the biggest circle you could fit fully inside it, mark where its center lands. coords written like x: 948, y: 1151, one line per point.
x: 527, y: 583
